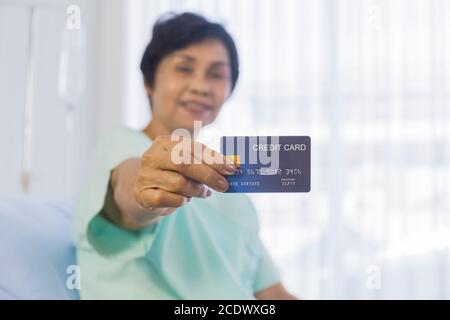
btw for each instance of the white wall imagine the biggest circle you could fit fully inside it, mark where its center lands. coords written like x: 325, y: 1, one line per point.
x: 102, y: 81
x: 47, y: 97
x: 120, y: 96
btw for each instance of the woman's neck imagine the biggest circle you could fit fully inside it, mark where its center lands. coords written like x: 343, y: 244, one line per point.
x: 156, y: 128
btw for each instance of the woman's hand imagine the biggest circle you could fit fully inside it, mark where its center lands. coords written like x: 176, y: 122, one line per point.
x: 275, y: 292
x: 155, y: 185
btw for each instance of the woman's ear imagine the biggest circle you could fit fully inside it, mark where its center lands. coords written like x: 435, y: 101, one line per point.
x: 228, y: 94
x: 148, y: 89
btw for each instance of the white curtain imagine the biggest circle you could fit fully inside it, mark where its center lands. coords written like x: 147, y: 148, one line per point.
x: 369, y: 82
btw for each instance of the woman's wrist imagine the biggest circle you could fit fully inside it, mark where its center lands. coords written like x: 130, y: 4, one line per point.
x: 125, y: 211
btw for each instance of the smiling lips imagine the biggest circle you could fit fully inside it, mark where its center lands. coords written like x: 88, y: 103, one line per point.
x: 196, y: 107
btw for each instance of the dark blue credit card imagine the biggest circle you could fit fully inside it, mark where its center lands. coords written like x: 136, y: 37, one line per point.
x: 269, y: 163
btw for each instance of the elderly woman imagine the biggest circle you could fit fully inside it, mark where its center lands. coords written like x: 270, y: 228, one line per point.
x: 149, y: 228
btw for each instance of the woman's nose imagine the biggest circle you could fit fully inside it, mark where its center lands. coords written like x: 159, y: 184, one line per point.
x: 200, y: 85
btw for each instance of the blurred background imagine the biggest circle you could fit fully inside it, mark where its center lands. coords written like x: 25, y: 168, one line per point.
x: 368, y: 80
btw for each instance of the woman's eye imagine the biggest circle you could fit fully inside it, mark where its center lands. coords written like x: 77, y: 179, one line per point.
x: 184, y: 70
x: 217, y: 76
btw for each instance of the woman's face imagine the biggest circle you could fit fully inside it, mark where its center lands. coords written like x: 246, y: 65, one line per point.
x: 190, y: 85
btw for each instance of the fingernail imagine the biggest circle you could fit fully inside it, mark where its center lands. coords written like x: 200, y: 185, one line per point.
x: 230, y: 168
x: 223, y: 184
x: 205, y: 191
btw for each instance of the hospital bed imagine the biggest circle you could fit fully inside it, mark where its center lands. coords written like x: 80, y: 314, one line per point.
x: 37, y: 256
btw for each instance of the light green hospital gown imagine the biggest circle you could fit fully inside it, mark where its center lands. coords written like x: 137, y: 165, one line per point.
x: 207, y: 249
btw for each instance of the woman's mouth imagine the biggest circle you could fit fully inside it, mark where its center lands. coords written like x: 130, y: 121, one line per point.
x: 196, y: 109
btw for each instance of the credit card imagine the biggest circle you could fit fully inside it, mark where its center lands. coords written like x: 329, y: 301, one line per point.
x: 268, y: 163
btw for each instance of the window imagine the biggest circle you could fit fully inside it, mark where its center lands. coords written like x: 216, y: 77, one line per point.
x: 369, y: 82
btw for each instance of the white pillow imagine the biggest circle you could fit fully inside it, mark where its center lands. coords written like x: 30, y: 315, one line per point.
x: 35, y: 249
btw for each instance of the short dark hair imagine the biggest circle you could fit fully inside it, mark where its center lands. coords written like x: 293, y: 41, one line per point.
x: 177, y: 31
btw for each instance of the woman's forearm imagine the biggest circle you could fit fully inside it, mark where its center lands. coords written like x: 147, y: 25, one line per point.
x: 275, y: 292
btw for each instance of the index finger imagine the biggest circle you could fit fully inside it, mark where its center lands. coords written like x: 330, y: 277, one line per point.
x: 196, y: 161
x: 201, y: 154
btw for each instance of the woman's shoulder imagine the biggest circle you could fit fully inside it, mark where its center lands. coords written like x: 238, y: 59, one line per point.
x: 121, y: 143
x: 123, y: 135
